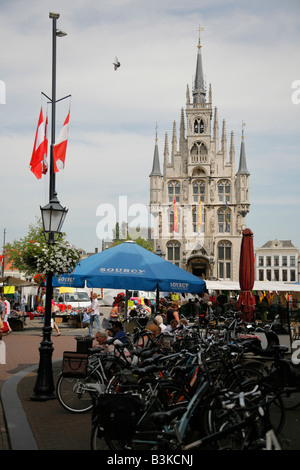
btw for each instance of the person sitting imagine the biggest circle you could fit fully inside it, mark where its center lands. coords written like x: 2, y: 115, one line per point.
x: 159, y: 321
x: 172, y: 326
x: 118, y: 331
x: 101, y: 337
x: 117, y: 310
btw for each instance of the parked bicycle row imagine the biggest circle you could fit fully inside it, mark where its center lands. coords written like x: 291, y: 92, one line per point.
x: 191, y: 387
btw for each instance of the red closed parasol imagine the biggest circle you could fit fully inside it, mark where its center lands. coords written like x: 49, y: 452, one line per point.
x: 246, y: 300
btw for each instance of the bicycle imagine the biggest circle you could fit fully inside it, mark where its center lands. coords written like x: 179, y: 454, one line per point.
x: 75, y: 394
x: 248, y: 426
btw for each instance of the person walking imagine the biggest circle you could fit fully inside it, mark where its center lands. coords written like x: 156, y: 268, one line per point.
x: 94, y: 312
x: 53, y: 324
x: 6, y: 328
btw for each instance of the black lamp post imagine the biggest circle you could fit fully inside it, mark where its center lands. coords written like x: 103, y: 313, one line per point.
x: 53, y: 216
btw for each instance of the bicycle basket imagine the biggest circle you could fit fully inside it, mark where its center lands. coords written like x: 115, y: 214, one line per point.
x: 118, y: 415
x: 74, y: 364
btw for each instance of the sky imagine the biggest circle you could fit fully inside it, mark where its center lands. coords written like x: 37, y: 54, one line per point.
x: 250, y: 56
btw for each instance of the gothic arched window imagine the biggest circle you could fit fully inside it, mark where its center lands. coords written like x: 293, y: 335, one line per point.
x: 199, y: 191
x: 173, y: 252
x: 198, y: 126
x: 224, y: 220
x: 174, y: 191
x: 224, y: 190
x: 224, y: 259
x: 198, y: 223
x: 171, y: 219
x: 199, y: 153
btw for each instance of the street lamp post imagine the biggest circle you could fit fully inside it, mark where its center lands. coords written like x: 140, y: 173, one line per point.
x: 53, y: 216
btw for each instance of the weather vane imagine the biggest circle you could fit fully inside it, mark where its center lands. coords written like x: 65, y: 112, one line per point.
x: 200, y: 29
x: 243, y: 125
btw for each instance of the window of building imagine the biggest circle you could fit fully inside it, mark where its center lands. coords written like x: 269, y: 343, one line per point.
x: 292, y: 261
x: 293, y: 275
x: 224, y: 191
x: 224, y: 259
x: 173, y: 252
x: 199, y: 191
x: 284, y: 275
x: 171, y: 220
x: 260, y: 261
x: 174, y: 191
x: 268, y: 260
x: 198, y: 126
x: 224, y: 219
x: 199, y: 153
x: 269, y: 275
x: 276, y: 274
x: 195, y: 220
x: 276, y: 260
x: 260, y: 274
x: 284, y: 261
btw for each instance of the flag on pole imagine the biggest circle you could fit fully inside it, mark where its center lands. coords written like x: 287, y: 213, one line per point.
x: 60, y: 147
x: 45, y: 164
x: 36, y: 162
x: 175, y: 217
x: 227, y: 218
x: 199, y: 215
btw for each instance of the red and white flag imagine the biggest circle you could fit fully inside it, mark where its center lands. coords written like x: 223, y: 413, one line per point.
x: 60, y: 147
x: 39, y: 148
x: 45, y: 164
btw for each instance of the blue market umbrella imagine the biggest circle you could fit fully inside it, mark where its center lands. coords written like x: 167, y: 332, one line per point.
x: 128, y: 266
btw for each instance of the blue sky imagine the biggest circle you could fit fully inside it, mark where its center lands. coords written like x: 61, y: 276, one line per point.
x: 250, y: 56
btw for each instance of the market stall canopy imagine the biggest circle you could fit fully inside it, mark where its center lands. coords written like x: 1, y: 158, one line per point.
x: 271, y: 286
x: 131, y: 267
x: 15, y: 281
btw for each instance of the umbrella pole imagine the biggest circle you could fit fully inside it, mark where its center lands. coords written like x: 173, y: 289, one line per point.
x: 125, y: 311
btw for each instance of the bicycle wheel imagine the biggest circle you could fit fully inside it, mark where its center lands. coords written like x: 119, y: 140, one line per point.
x: 74, y: 394
x: 292, y: 401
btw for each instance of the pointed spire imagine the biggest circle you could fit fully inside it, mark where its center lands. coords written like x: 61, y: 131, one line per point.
x: 216, y: 128
x: 224, y: 140
x: 199, y: 92
x: 232, y: 149
x: 174, y: 142
x: 166, y: 153
x: 243, y: 165
x: 156, y: 166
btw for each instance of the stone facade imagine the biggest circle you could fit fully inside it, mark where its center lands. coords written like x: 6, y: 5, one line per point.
x: 199, y: 181
x: 277, y: 260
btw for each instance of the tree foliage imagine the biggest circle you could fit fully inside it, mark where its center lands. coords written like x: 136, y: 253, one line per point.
x: 23, y: 253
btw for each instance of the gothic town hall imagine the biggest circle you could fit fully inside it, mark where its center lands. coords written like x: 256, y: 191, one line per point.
x: 198, y: 185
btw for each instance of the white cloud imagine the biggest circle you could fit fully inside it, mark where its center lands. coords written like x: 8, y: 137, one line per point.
x: 249, y: 55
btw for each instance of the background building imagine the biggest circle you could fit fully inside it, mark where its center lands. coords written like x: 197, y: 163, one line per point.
x: 277, y: 260
x: 211, y: 197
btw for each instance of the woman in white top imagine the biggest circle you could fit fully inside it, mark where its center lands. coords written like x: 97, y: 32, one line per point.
x: 159, y: 321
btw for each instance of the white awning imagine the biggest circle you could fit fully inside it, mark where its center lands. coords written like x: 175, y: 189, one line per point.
x: 258, y: 286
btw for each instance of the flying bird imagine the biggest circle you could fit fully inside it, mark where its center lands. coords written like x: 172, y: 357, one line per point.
x: 116, y: 63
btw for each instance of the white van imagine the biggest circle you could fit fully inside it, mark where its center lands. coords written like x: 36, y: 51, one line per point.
x: 74, y: 297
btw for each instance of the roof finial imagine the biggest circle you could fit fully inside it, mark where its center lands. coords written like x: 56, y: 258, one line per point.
x: 156, y: 127
x: 199, y: 42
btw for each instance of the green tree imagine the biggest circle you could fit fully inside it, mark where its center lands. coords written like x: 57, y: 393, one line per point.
x: 25, y: 253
